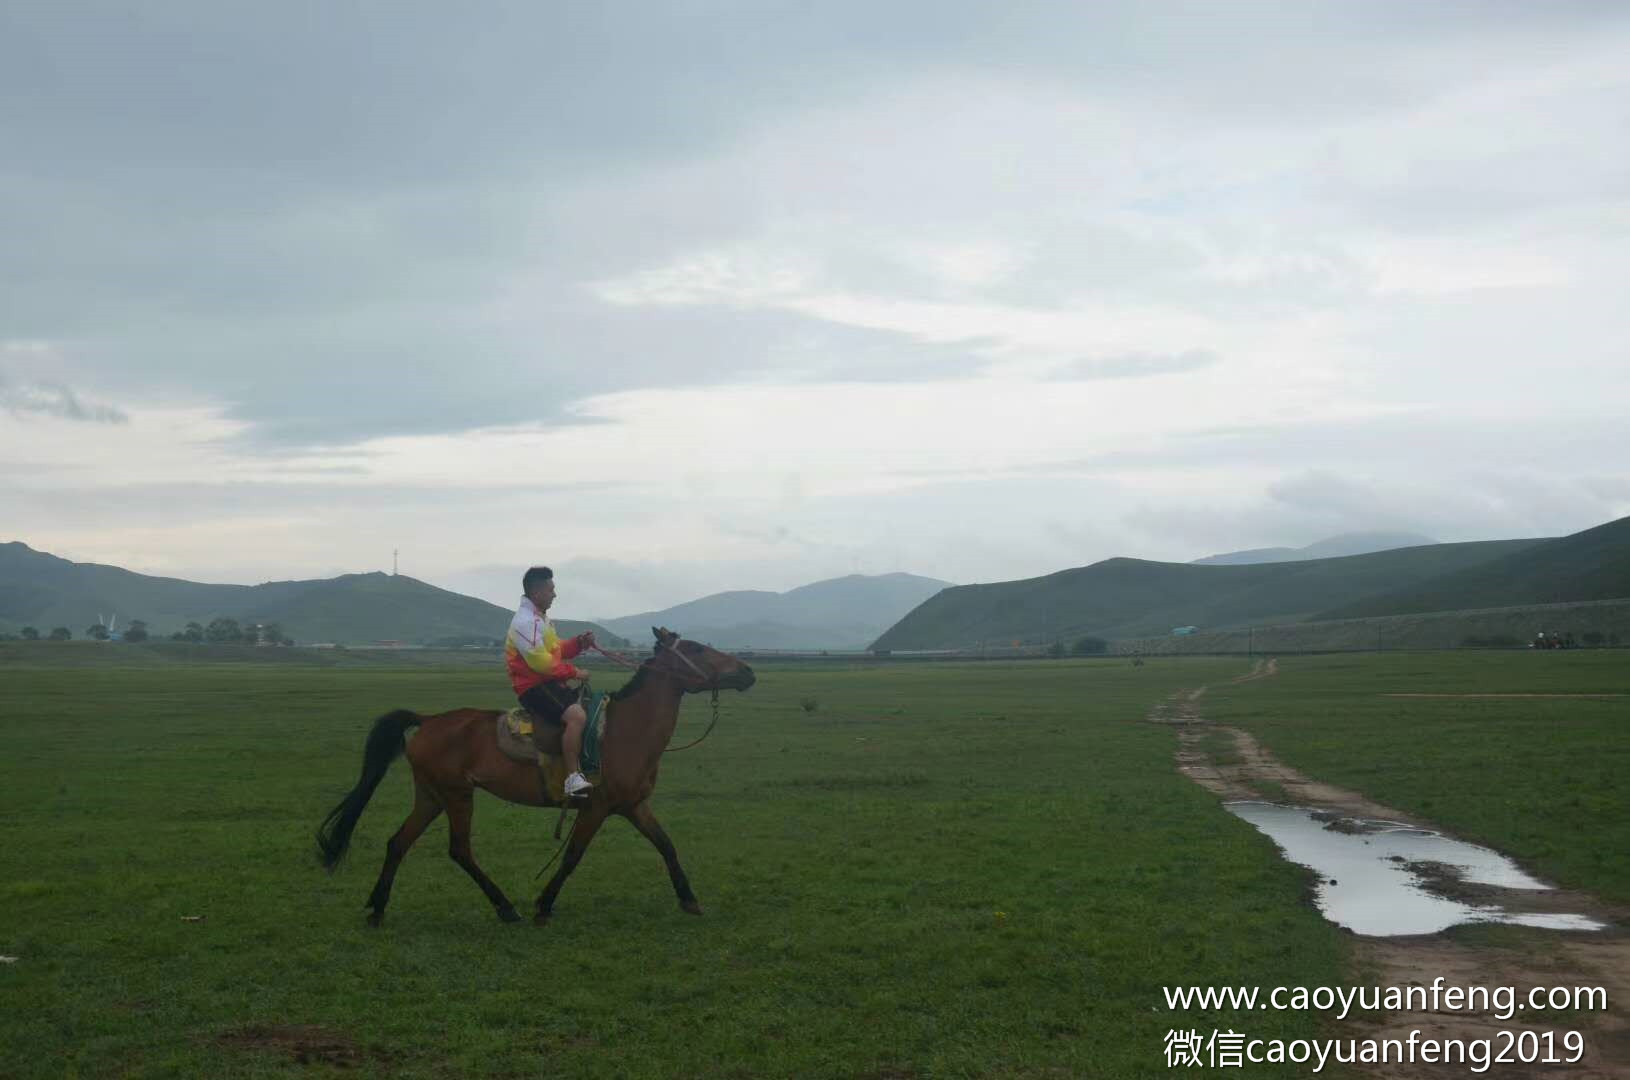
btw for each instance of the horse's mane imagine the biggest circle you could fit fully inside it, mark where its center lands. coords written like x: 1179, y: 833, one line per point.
x: 632, y: 686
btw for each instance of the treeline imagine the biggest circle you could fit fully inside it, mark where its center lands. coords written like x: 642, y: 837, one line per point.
x: 1082, y: 646
x: 136, y: 631
x: 222, y: 631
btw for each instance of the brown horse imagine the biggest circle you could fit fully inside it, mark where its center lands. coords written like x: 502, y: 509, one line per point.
x: 456, y: 752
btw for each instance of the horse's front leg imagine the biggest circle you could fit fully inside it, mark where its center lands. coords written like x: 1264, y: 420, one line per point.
x: 588, y: 822
x: 646, y: 822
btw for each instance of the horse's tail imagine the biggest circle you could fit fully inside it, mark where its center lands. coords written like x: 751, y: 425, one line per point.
x: 385, y: 745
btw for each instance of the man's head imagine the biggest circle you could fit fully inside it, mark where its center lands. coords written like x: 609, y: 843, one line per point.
x: 538, y: 584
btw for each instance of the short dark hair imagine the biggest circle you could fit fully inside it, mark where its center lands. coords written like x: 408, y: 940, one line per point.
x: 535, y: 576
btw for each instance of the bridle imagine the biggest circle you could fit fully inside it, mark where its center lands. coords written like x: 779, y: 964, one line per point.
x: 712, y: 683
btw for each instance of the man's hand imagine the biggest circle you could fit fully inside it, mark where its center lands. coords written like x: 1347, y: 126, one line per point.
x: 585, y: 640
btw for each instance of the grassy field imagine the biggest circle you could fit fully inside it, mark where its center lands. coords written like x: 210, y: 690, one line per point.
x: 941, y: 871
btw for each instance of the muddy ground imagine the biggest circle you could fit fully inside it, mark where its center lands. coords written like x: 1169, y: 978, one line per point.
x: 1527, y: 958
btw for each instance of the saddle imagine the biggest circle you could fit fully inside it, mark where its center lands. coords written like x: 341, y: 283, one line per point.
x: 525, y: 737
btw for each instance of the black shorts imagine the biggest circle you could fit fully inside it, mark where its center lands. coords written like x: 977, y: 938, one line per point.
x: 548, y: 701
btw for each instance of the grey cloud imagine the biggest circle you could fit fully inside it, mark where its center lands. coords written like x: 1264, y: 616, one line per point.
x: 195, y: 161
x: 87, y: 504
x: 379, y: 218
x: 1135, y: 365
x: 1310, y: 505
x: 55, y: 399
x: 1402, y: 443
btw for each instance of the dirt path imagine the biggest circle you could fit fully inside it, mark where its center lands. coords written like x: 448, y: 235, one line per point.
x: 1247, y: 770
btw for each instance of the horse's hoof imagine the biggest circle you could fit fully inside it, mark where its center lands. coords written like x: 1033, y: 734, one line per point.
x: 690, y: 907
x: 541, y: 919
x: 507, y: 913
x: 375, y: 918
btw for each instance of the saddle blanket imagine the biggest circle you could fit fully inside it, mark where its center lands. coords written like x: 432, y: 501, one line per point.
x: 515, y: 739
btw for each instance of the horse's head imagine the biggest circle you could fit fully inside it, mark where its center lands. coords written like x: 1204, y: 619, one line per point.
x: 697, y: 667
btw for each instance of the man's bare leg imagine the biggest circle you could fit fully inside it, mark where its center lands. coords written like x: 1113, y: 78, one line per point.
x: 571, y: 743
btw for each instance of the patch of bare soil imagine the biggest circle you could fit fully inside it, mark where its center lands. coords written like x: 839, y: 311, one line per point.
x: 1534, y: 959
x: 304, y: 1043
x: 1253, y: 764
x: 1263, y: 669
x: 1179, y: 708
x: 1547, y: 959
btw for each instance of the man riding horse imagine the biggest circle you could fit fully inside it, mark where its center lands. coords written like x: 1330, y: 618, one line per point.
x: 545, y: 682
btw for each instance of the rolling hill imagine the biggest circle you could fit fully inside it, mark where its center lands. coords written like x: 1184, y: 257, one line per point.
x: 1134, y: 597
x: 42, y: 590
x: 1332, y: 547
x: 1589, y: 565
x: 839, y: 613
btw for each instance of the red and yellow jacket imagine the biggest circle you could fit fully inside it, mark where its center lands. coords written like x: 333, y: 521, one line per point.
x: 534, y: 653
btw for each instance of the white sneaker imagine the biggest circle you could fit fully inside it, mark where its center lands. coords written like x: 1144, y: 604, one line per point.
x: 577, y: 784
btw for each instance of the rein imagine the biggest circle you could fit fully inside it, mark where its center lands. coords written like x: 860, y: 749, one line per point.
x: 618, y: 658
x: 626, y: 662
x: 705, y: 734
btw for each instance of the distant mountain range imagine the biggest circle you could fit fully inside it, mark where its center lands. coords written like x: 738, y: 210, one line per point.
x: 41, y: 590
x: 1138, y: 598
x: 1124, y: 598
x: 1115, y: 598
x: 839, y: 613
x: 1332, y: 548
x: 1120, y: 598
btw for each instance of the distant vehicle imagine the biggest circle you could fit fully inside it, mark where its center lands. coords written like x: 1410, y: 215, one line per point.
x: 1182, y: 630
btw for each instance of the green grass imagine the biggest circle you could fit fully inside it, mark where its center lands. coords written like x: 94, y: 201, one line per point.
x: 943, y: 871
x: 1543, y: 780
x: 852, y: 863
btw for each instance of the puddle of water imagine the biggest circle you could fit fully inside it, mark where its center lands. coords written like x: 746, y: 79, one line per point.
x: 1373, y: 893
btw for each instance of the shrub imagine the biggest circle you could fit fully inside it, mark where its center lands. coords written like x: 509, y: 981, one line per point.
x: 1089, y: 646
x: 225, y: 630
x: 809, y: 704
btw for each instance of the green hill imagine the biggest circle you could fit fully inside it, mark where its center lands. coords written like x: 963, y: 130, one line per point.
x: 41, y: 590
x: 1589, y: 565
x: 1135, y: 598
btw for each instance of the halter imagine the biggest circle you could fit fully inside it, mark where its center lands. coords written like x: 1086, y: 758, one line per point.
x: 712, y: 684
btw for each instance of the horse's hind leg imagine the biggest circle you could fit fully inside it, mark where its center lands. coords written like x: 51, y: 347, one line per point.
x: 460, y: 809
x: 425, y: 810
x: 646, y: 822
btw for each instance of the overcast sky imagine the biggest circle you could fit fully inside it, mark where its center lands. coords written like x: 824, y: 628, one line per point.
x: 679, y: 298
